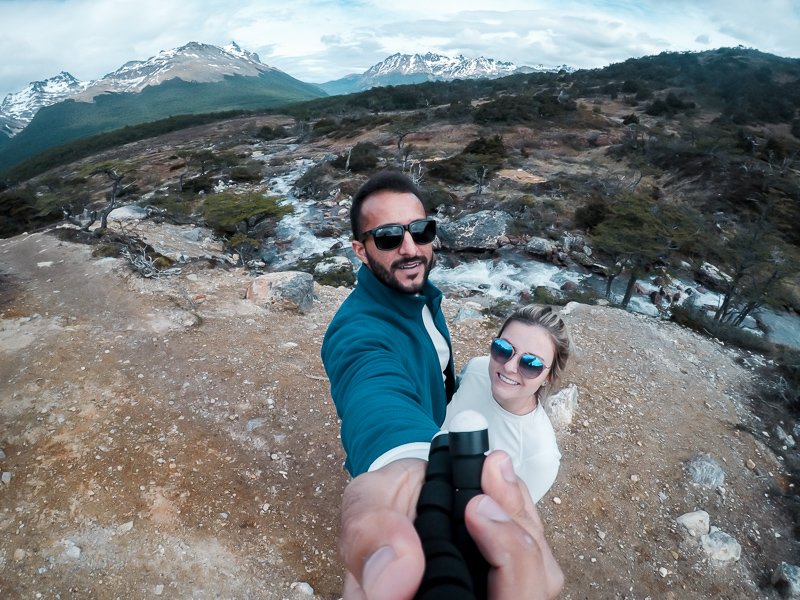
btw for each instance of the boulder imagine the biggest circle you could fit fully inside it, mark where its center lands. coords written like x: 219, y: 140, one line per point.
x: 560, y: 407
x: 540, y: 247
x: 127, y: 213
x: 569, y: 286
x: 721, y: 547
x: 464, y: 313
x: 568, y: 242
x: 786, y: 577
x: 696, y: 523
x: 286, y: 291
x: 478, y: 231
x: 706, y: 471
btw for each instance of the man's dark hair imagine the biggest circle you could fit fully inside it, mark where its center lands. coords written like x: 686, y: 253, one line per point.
x: 388, y: 180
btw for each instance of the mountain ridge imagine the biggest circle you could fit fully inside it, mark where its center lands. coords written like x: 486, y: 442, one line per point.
x: 399, y: 69
x: 193, y: 62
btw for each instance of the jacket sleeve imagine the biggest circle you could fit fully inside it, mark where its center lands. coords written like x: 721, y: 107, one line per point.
x: 379, y: 392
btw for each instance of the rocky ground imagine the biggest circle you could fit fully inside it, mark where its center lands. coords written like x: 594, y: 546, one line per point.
x: 170, y: 438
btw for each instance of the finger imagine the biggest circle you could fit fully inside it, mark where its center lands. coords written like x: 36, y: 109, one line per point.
x: 378, y: 542
x: 509, y: 493
x: 520, y: 569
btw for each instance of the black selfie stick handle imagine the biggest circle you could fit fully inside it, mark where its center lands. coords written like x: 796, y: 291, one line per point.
x: 454, y: 567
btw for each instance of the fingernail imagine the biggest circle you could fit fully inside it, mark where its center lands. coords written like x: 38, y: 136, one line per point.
x: 375, y: 566
x: 507, y: 470
x: 492, y: 510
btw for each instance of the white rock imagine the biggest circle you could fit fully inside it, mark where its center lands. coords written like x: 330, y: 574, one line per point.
x: 303, y: 587
x: 73, y: 552
x: 125, y: 527
x: 721, y: 547
x: 6, y: 478
x: 694, y: 522
x: 159, y: 590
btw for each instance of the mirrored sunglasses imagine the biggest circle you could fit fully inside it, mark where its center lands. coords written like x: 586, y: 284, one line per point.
x: 530, y: 366
x: 389, y: 237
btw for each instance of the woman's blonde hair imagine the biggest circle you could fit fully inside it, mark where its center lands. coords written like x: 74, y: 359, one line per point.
x: 549, y: 320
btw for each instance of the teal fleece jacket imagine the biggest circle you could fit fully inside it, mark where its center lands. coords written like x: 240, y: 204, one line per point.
x: 385, y: 376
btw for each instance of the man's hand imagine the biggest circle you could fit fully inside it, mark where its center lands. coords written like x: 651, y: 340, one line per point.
x: 383, y: 555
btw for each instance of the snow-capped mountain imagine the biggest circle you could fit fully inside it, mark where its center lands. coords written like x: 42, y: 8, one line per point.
x: 18, y: 109
x: 192, y: 62
x: 407, y: 68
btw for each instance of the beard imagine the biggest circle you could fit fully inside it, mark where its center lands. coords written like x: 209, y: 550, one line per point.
x: 387, y: 277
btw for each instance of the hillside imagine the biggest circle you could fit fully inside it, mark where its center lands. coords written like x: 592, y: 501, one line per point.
x: 72, y: 120
x: 166, y: 436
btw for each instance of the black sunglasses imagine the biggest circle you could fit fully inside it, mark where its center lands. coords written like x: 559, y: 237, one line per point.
x: 530, y: 366
x: 389, y: 237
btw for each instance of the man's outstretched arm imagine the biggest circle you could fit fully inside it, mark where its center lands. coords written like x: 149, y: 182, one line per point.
x: 383, y: 555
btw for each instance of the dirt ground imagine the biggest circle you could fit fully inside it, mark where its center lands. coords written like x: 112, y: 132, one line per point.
x: 170, y: 438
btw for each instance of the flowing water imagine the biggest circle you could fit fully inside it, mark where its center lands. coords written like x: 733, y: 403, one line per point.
x: 501, y: 279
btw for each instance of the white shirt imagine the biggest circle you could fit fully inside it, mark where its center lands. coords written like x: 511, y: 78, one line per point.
x: 529, y: 439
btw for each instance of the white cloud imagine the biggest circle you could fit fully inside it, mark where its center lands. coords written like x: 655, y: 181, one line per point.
x: 319, y: 40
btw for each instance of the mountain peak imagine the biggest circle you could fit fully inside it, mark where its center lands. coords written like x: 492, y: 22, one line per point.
x: 194, y: 61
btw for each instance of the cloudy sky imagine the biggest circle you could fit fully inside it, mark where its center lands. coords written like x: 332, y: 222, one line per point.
x: 321, y: 40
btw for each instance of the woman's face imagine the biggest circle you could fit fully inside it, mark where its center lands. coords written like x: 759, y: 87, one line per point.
x: 510, y: 389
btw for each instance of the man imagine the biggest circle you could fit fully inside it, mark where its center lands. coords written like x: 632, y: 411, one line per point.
x: 388, y: 356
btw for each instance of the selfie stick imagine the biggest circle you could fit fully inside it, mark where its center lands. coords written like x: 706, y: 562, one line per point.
x: 454, y: 567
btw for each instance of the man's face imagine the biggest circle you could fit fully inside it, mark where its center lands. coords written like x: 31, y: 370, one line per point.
x: 404, y: 269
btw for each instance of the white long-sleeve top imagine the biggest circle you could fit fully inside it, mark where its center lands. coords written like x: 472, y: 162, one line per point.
x: 528, y: 439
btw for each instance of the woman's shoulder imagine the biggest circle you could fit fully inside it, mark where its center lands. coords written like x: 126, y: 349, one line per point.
x: 476, y: 366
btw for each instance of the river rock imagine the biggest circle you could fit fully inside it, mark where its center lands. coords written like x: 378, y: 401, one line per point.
x: 786, y: 578
x: 720, y: 546
x: 478, y: 231
x: 568, y: 242
x: 127, y: 213
x: 464, y: 313
x: 286, y: 291
x: 540, y: 247
x: 706, y: 471
x: 560, y: 407
x: 696, y: 523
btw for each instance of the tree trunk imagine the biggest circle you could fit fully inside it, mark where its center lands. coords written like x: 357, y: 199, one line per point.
x: 629, y: 290
x: 611, y: 279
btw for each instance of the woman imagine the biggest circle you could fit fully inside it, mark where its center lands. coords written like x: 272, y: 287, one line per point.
x: 506, y: 387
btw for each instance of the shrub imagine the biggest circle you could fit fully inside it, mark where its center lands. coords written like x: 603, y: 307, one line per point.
x: 227, y: 210
x: 362, y: 157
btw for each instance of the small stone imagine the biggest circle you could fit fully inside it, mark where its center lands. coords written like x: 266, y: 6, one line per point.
x: 159, y: 590
x: 586, y: 423
x: 302, y: 587
x: 125, y: 527
x: 634, y: 478
x: 2, y: 455
x: 19, y: 554
x: 601, y: 535
x: 721, y: 546
x: 73, y: 552
x: 674, y: 554
x: 6, y: 477
x: 663, y: 572
x: 750, y: 464
x: 557, y: 500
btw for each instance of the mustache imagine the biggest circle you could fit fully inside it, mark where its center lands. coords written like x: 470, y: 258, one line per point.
x: 407, y: 261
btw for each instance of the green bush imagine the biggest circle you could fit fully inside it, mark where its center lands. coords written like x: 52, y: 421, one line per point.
x: 227, y: 210
x: 363, y: 157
